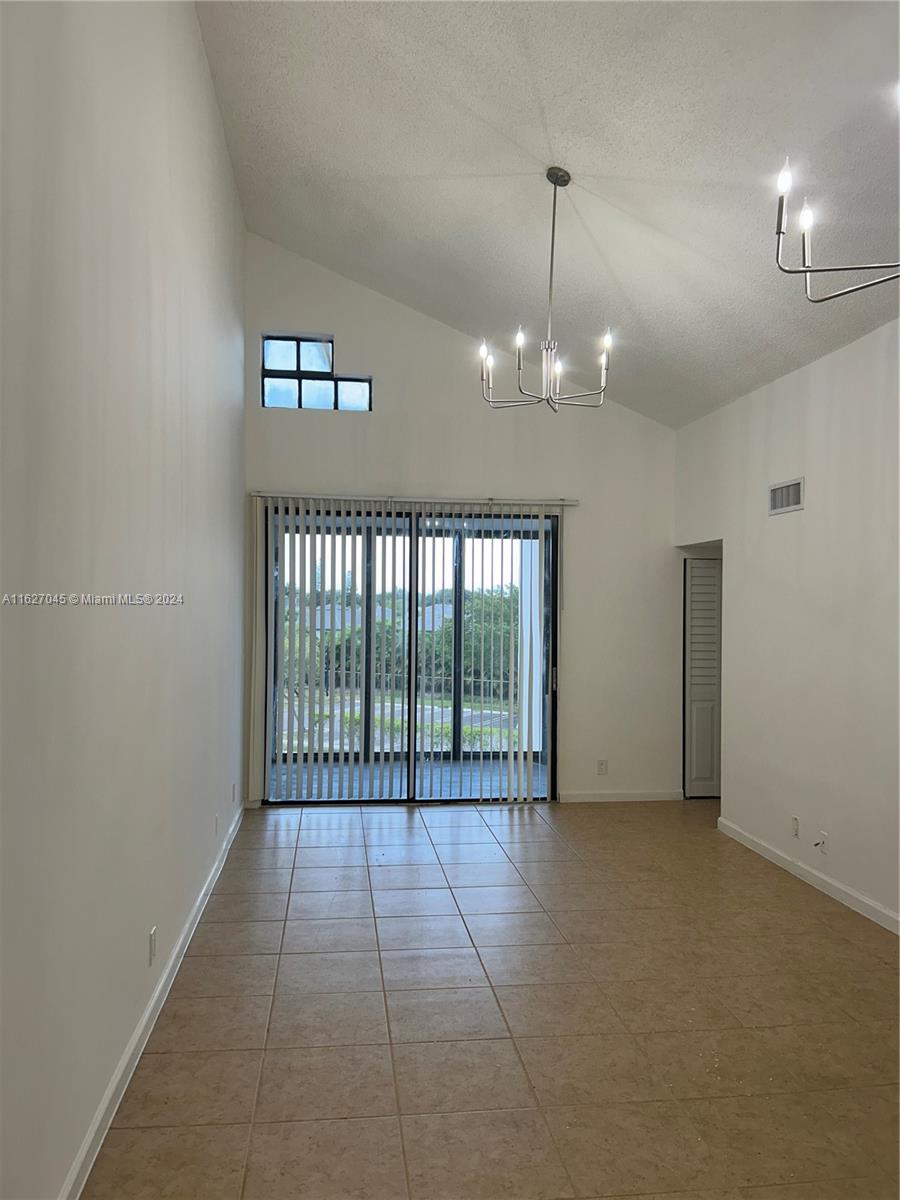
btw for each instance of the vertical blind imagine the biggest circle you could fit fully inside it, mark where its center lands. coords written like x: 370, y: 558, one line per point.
x: 408, y: 649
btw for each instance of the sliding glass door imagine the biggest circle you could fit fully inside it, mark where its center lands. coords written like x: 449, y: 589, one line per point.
x: 411, y: 652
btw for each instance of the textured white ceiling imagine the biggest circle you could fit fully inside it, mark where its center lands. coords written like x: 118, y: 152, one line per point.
x: 404, y: 145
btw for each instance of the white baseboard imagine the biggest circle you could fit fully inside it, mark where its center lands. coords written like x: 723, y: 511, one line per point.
x: 838, y: 891
x: 615, y: 797
x: 97, y: 1130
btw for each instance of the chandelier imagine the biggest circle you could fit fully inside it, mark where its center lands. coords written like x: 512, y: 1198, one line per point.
x: 785, y: 182
x: 551, y: 366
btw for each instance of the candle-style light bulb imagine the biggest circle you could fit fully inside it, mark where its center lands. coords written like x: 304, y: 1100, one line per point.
x: 785, y: 178
x: 482, y: 349
x: 806, y: 216
x: 607, y: 339
x: 520, y: 338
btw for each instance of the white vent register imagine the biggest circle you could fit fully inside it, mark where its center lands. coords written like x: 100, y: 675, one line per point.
x: 786, y: 497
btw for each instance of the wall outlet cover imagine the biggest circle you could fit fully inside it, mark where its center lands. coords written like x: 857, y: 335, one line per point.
x: 602, y: 766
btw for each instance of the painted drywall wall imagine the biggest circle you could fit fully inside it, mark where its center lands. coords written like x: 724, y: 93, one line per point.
x: 431, y: 434
x: 121, y: 472
x: 810, y: 611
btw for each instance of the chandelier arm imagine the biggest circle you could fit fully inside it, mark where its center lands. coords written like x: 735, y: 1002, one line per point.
x: 827, y: 270
x: 580, y: 403
x: 581, y: 395
x: 859, y: 287
x: 525, y: 391
x: 507, y: 403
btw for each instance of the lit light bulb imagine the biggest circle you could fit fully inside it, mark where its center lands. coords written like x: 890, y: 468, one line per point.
x: 558, y: 367
x: 603, y: 360
x: 490, y: 361
x: 607, y: 340
x: 520, y: 338
x: 482, y: 349
x: 806, y: 216
x: 785, y: 178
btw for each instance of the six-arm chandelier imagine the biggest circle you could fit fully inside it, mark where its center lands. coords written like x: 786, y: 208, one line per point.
x: 551, y: 366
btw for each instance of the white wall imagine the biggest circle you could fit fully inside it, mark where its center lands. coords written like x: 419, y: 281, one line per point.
x: 121, y: 471
x: 431, y: 434
x: 810, y: 612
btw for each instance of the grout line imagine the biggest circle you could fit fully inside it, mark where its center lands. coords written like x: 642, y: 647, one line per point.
x: 262, y: 1057
x: 390, y: 1043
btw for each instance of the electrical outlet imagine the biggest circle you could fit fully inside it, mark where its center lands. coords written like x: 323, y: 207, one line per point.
x: 152, y: 947
x: 602, y: 766
x: 822, y: 844
x: 795, y: 827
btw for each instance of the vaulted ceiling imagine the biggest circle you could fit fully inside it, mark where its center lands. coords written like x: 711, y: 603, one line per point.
x: 404, y: 145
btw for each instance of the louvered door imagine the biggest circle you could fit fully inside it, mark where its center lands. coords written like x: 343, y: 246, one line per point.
x: 702, y: 676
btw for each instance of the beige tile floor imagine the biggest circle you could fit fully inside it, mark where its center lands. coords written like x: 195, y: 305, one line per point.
x: 514, y: 1003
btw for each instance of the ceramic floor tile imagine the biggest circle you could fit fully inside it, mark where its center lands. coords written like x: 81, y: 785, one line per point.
x: 658, y: 1006
x: 345, y: 933
x: 330, y: 856
x: 415, y: 902
x: 196, y: 1088
x: 260, y: 857
x: 326, y: 1082
x: 844, y: 1189
x: 332, y: 1019
x: 873, y: 1114
x: 720, y: 1062
x: 585, y: 896
x: 512, y: 929
x: 434, y: 1077
x: 532, y: 964
x: 318, y: 836
x: 866, y: 996
x: 780, y: 1139
x: 421, y: 933
x: 329, y: 879
x: 589, y: 1069
x: 193, y: 1163
x: 314, y: 906
x: 388, y: 878
x: 778, y: 999
x: 225, y: 975
x: 326, y: 1160
x: 616, y: 961
x: 465, y: 852
x: 247, y: 879
x: 416, y: 855
x: 847, y: 1055
x: 255, y: 906
x: 548, y: 1009
x: 444, y: 1014
x: 235, y: 937
x: 495, y: 900
x: 499, y: 874
x: 425, y: 969
x: 211, y: 1023
x: 345, y: 971
x: 483, y: 1156
x: 614, y: 1149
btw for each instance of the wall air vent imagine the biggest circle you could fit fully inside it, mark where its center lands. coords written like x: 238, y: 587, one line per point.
x: 786, y: 497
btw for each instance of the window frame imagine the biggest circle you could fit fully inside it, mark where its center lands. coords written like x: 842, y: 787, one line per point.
x: 298, y: 375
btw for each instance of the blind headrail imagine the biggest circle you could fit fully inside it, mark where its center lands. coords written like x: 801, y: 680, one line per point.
x: 558, y: 502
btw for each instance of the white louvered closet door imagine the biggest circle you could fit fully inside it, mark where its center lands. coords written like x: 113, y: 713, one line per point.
x: 702, y: 677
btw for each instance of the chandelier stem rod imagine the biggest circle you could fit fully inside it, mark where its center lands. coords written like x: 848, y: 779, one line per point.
x: 552, y: 256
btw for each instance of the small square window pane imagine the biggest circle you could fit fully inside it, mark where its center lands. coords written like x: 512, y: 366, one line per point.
x: 315, y: 356
x: 280, y: 393
x: 353, y: 395
x: 279, y: 355
x: 318, y: 393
